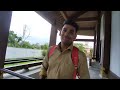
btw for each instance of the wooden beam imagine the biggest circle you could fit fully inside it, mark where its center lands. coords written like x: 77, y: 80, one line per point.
x: 107, y: 41
x: 77, y: 14
x: 87, y: 19
x: 63, y: 13
x: 53, y: 35
x: 5, y: 19
x: 98, y: 37
x: 94, y: 47
x: 89, y: 40
x: 87, y: 28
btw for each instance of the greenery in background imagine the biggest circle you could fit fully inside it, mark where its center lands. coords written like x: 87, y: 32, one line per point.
x: 91, y: 52
x: 44, y: 52
x: 16, y: 41
x: 80, y: 46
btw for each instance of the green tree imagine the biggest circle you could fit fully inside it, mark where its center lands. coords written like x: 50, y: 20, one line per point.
x: 26, y: 44
x: 80, y: 46
x: 44, y: 46
x: 13, y: 39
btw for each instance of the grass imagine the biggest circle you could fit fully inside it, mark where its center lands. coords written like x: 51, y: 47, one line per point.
x: 16, y: 64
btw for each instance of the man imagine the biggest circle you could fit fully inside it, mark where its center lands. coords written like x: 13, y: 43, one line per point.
x: 59, y: 65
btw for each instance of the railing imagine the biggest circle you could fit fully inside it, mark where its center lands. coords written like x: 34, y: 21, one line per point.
x: 19, y: 60
x: 11, y: 69
x: 15, y: 74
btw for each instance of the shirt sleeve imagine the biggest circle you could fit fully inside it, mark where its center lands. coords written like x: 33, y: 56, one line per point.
x: 83, y: 66
x: 44, y: 66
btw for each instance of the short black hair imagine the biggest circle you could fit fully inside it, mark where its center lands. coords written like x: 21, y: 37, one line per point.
x: 71, y: 22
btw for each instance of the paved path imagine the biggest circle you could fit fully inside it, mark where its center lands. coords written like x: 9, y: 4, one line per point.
x: 94, y: 70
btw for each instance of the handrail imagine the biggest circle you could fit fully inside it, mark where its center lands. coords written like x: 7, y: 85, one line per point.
x: 15, y: 74
x: 18, y: 67
x: 21, y: 60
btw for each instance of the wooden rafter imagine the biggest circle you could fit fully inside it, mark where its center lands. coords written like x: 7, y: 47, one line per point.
x: 89, y: 40
x: 87, y: 28
x: 87, y: 19
x: 63, y: 13
x: 77, y: 14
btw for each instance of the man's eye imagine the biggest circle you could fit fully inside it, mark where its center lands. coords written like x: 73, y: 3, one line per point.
x: 71, y: 32
x: 64, y: 30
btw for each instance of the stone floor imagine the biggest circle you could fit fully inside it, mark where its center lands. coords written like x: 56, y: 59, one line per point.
x: 94, y: 70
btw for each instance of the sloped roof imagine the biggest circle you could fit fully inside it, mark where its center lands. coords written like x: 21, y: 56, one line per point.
x: 86, y: 20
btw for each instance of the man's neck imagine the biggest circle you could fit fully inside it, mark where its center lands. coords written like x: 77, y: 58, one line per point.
x: 63, y: 47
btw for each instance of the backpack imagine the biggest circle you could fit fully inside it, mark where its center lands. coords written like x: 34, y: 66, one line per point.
x: 74, y: 59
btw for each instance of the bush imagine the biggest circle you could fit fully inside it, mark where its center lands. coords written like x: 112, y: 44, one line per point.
x: 44, y: 52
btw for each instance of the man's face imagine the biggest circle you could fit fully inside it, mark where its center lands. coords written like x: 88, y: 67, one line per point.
x: 68, y: 34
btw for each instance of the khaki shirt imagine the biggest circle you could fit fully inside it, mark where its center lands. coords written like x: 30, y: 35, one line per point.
x: 60, y: 65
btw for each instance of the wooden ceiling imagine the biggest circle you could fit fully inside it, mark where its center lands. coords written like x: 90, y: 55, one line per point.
x: 86, y: 20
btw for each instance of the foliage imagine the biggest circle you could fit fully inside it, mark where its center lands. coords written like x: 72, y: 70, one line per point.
x: 13, y: 39
x: 45, y: 46
x: 91, y: 52
x: 80, y: 46
x: 44, y: 52
x: 16, y: 41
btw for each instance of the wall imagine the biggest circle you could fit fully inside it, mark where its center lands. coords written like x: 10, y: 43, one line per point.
x: 22, y: 52
x: 115, y: 43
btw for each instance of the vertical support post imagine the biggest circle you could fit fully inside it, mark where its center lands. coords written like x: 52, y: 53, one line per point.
x: 5, y: 20
x: 94, y: 47
x: 107, y: 44
x: 53, y: 35
x: 98, y: 37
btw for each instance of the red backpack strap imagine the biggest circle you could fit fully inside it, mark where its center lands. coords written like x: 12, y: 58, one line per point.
x: 51, y: 50
x: 75, y: 61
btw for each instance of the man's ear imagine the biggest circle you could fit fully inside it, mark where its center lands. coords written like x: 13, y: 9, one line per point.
x: 75, y: 36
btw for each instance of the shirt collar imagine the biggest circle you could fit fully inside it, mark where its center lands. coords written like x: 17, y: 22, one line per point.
x: 69, y: 48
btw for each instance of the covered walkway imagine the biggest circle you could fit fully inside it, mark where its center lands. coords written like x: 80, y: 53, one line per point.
x: 103, y: 25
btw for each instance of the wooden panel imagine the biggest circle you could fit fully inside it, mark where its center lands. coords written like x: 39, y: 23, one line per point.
x: 77, y: 14
x: 87, y: 23
x: 86, y: 32
x: 107, y: 41
x: 87, y: 19
x: 5, y: 19
x: 53, y: 36
x: 63, y: 13
x: 89, y: 14
x: 89, y: 40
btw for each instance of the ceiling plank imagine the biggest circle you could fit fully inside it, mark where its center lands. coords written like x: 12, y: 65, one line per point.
x: 77, y: 14
x: 89, y: 40
x: 63, y: 13
x: 87, y: 19
x: 87, y: 28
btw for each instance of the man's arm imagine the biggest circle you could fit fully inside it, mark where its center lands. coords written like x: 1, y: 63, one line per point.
x: 43, y: 71
x: 83, y: 66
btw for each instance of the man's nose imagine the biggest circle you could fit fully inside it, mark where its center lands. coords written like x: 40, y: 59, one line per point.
x: 66, y: 33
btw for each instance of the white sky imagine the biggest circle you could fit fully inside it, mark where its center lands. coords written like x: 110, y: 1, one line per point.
x: 39, y: 27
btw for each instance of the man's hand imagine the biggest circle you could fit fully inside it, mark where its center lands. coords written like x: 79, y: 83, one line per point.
x: 42, y: 77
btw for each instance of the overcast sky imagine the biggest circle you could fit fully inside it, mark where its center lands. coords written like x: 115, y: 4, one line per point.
x: 39, y: 28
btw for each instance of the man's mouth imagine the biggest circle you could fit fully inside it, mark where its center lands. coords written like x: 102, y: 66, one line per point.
x: 66, y: 38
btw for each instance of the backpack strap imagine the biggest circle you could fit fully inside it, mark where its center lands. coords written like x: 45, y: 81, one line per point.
x: 75, y: 62
x: 51, y: 50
